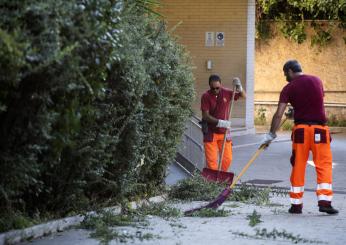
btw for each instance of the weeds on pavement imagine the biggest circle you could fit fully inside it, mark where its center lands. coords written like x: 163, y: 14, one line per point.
x: 209, y: 212
x: 276, y: 235
x: 105, y: 223
x: 158, y: 209
x: 251, y: 194
x: 254, y: 218
x: 195, y: 188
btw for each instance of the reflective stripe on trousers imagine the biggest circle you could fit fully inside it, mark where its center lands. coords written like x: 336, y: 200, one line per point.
x: 315, y: 138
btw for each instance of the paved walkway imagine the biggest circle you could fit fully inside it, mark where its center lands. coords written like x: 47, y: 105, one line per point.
x: 271, y: 168
x: 312, y: 226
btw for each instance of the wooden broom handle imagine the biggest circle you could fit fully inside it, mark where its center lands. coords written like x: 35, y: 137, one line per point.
x: 260, y: 149
x: 224, y: 137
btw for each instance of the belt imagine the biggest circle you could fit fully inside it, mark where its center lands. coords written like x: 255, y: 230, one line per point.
x: 310, y: 123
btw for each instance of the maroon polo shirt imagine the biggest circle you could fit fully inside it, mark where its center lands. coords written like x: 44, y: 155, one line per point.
x: 218, y: 106
x: 305, y: 93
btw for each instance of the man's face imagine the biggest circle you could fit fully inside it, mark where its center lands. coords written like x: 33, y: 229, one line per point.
x: 289, y: 75
x: 215, y: 87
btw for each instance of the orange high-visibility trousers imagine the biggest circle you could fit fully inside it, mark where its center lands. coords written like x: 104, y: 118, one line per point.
x: 213, y: 150
x: 315, y: 138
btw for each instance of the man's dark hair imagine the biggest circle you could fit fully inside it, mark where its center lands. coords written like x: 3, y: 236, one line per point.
x: 293, y: 65
x: 214, y: 78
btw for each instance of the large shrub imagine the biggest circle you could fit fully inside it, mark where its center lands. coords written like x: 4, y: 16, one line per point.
x: 94, y: 95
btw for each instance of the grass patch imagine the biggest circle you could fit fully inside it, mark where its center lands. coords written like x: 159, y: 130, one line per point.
x: 195, y: 188
x: 275, y: 234
x: 111, y: 219
x: 334, y: 121
x: 260, y: 196
x: 251, y: 194
x: 254, y: 218
x: 161, y: 209
x: 209, y: 212
x: 104, y: 223
x: 198, y: 189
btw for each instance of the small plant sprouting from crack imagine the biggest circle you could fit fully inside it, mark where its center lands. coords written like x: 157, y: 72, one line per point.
x: 254, y: 218
x: 264, y: 234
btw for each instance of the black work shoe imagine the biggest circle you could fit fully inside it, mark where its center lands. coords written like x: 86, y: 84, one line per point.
x: 295, y: 209
x: 328, y: 210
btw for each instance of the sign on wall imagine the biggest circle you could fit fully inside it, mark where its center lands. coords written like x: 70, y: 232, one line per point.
x: 209, y: 39
x: 220, y: 39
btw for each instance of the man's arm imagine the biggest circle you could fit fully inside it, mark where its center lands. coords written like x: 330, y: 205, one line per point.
x: 219, y: 123
x: 277, y: 118
x: 209, y: 118
x: 276, y: 121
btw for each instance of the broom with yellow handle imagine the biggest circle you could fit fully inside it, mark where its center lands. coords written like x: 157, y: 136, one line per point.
x: 226, y: 192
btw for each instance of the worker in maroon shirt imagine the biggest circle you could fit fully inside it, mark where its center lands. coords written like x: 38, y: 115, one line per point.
x: 310, y: 133
x: 215, y: 104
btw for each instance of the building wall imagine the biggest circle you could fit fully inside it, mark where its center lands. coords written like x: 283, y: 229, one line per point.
x: 192, y: 20
x: 328, y: 63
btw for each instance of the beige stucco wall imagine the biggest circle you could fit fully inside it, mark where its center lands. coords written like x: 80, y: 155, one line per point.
x: 200, y: 16
x: 329, y: 64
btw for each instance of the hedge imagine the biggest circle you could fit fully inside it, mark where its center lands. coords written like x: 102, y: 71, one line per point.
x: 94, y: 96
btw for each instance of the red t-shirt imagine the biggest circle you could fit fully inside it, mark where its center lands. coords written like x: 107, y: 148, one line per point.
x: 305, y: 93
x: 218, y: 106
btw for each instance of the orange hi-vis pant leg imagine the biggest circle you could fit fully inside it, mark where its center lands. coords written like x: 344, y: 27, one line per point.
x: 315, y: 138
x: 213, y: 150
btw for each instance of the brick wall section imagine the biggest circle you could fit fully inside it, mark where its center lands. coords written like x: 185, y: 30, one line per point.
x: 200, y: 16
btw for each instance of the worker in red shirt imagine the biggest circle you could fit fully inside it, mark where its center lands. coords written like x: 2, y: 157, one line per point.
x: 215, y: 104
x: 310, y: 133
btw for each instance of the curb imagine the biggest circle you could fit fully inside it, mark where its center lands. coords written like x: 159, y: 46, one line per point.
x: 37, y: 231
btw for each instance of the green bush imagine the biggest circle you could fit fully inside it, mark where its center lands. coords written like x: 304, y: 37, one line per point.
x: 93, y: 102
x: 334, y: 121
x: 260, y: 118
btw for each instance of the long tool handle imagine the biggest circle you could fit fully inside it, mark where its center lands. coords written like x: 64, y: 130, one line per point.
x: 260, y: 149
x: 225, y: 135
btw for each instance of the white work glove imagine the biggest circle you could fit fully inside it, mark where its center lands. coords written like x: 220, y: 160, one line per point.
x: 268, y: 138
x: 237, y: 84
x: 223, y: 124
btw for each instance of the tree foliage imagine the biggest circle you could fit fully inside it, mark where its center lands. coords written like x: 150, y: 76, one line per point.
x: 94, y: 95
x: 291, y: 15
